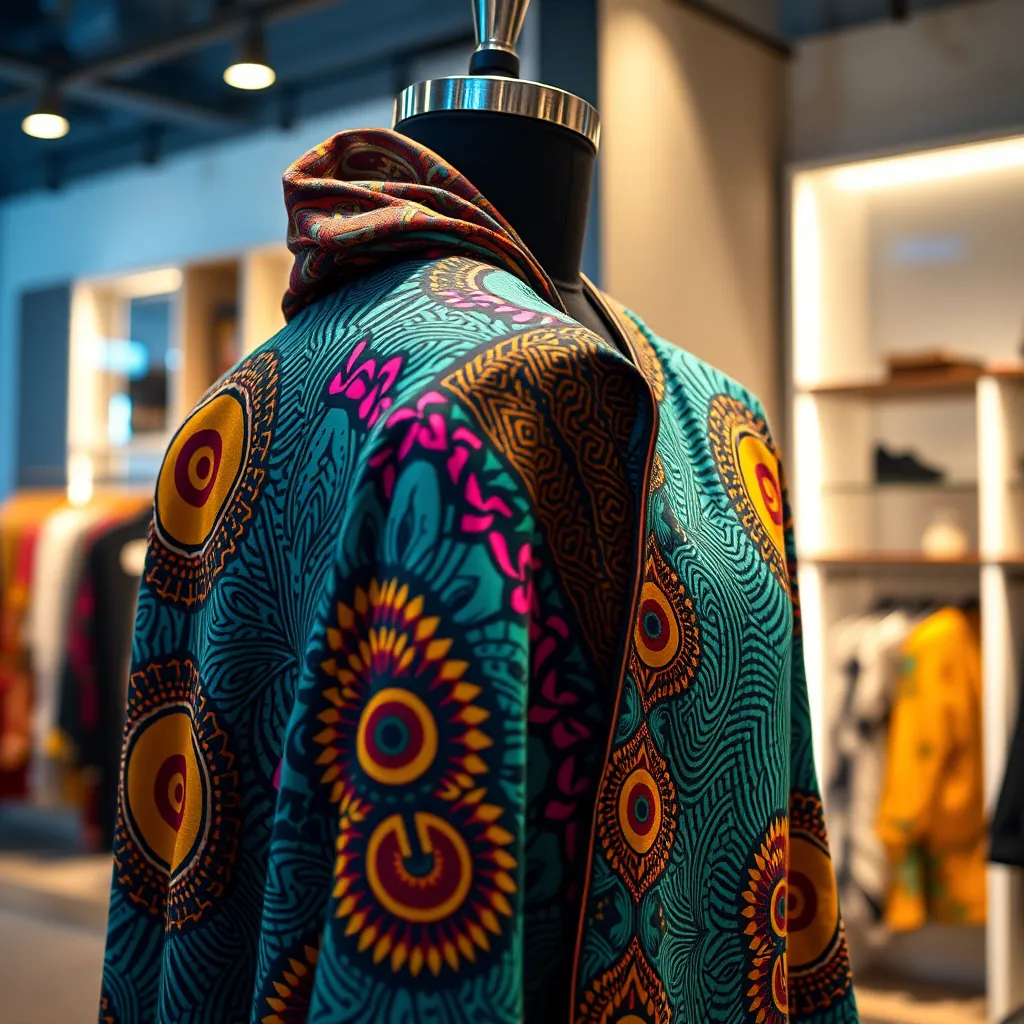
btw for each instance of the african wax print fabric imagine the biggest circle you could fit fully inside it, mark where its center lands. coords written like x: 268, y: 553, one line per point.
x: 467, y: 681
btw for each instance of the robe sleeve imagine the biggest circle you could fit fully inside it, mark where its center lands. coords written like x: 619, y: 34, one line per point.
x: 396, y: 865
x: 820, y: 985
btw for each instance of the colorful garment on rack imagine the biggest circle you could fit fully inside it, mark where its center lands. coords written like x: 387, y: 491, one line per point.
x: 96, y: 668
x: 57, y: 567
x: 467, y: 682
x: 932, y: 815
x: 867, y: 659
x: 21, y: 517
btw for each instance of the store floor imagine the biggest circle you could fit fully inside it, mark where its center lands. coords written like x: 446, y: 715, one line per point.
x: 53, y: 912
x: 49, y: 972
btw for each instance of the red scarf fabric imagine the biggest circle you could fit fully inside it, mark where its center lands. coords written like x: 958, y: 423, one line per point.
x: 370, y: 197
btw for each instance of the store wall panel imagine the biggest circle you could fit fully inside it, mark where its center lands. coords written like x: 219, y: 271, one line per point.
x: 955, y: 71
x: 692, y: 139
x: 42, y: 423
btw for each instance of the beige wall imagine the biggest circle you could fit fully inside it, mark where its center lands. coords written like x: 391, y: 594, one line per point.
x: 942, y: 73
x: 692, y: 140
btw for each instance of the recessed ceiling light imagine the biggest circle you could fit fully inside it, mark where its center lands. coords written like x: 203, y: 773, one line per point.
x: 251, y: 70
x: 46, y: 121
x: 249, y: 75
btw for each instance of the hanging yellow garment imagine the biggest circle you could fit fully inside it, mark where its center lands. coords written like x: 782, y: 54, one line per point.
x: 932, y: 818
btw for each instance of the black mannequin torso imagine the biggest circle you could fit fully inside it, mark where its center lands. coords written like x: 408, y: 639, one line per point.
x: 537, y: 175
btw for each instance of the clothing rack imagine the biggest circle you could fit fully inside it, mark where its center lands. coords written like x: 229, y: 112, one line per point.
x: 67, y: 597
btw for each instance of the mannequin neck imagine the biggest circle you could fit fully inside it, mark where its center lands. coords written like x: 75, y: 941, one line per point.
x: 537, y: 175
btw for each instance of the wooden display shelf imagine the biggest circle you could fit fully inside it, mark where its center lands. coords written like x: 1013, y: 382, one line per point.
x: 890, y: 560
x: 909, y: 560
x: 874, y: 487
x: 959, y: 381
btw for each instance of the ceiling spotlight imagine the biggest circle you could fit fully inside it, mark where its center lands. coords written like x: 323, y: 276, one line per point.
x: 251, y: 70
x: 46, y: 121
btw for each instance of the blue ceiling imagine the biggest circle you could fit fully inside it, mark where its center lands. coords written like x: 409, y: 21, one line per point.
x: 139, y: 79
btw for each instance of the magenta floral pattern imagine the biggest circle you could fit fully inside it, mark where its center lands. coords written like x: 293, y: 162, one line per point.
x: 365, y: 384
x: 556, y: 708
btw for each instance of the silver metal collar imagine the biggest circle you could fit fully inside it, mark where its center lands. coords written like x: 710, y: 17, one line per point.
x: 501, y: 96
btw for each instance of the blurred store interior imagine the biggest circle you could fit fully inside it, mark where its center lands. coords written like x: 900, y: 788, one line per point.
x: 823, y: 198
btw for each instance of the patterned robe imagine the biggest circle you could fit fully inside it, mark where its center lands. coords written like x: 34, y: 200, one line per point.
x: 467, y: 682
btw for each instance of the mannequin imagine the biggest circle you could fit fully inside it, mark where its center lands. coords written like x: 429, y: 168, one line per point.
x: 508, y: 155
x: 467, y: 680
x: 551, y: 221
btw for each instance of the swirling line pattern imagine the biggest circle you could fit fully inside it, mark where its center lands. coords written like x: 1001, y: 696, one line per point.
x: 393, y: 691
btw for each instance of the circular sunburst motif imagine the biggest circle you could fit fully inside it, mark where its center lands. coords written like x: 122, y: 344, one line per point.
x: 211, y: 477
x: 424, y: 868
x: 637, y: 813
x: 666, y: 636
x: 766, y: 908
x: 819, y: 964
x: 177, y: 825
x: 396, y: 739
x: 400, y: 711
x: 749, y: 469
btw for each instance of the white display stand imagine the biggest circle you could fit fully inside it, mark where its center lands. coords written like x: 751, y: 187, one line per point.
x: 896, y: 255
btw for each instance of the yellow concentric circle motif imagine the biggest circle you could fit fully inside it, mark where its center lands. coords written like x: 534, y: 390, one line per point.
x: 657, y: 630
x: 813, y: 902
x: 637, y: 813
x: 748, y: 466
x: 819, y: 962
x: 200, y: 471
x: 165, y: 787
x: 760, y: 470
x: 396, y: 739
x: 640, y: 810
x: 210, y: 483
x: 177, y: 819
x: 424, y: 884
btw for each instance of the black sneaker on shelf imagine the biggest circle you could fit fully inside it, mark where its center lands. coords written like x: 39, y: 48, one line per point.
x: 892, y: 468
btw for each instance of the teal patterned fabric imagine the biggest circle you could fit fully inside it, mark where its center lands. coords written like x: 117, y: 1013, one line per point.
x: 467, y: 685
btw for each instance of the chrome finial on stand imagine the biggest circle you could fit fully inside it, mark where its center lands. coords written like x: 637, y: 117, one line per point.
x: 493, y: 83
x: 498, y: 24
